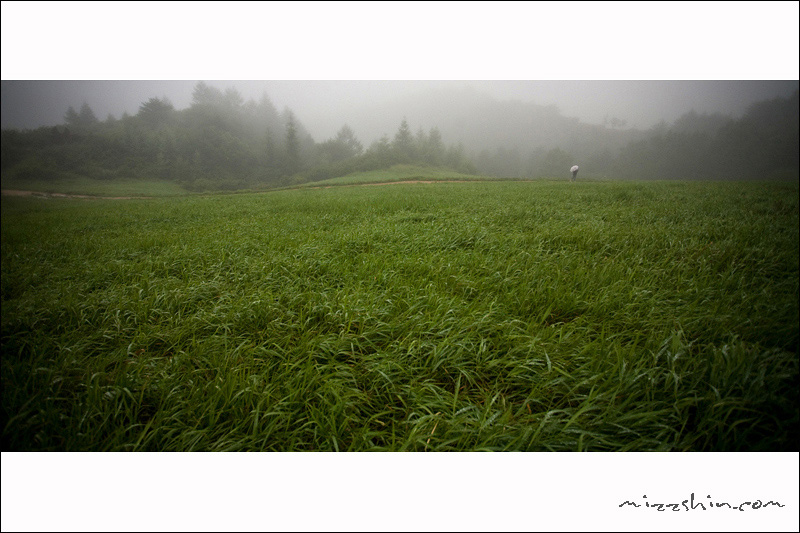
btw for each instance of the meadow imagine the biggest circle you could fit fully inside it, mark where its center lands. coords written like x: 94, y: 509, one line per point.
x: 397, y: 173
x: 93, y: 187
x: 475, y: 316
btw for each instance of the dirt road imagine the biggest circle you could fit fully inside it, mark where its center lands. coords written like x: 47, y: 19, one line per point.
x: 384, y: 183
x: 13, y: 192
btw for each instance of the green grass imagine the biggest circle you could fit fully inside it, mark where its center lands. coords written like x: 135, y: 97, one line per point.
x: 93, y: 187
x: 396, y: 173
x: 539, y: 316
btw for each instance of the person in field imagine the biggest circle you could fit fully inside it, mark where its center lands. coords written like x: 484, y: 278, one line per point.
x: 574, y: 171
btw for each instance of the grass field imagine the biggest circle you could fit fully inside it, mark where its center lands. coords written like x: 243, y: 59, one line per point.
x: 393, y: 174
x: 538, y: 316
x: 92, y: 187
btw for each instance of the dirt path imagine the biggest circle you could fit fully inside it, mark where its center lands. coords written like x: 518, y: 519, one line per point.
x: 385, y: 183
x: 13, y: 192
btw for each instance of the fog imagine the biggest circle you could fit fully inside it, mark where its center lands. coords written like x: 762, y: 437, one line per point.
x: 374, y: 108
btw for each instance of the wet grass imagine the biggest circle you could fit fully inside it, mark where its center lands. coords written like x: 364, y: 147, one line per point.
x: 94, y: 187
x: 396, y: 173
x: 536, y: 316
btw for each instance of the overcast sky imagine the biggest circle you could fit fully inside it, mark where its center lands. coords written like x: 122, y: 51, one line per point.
x: 298, y: 44
x: 324, y: 106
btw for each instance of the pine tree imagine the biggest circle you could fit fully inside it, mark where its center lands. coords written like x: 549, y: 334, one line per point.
x: 203, y: 94
x: 86, y: 116
x: 71, y: 117
x: 156, y: 111
x: 434, y: 148
x: 346, y: 145
x: 292, y: 144
x: 403, y: 144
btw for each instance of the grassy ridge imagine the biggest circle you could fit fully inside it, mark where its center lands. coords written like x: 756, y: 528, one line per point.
x: 161, y: 188
x: 469, y: 316
x: 396, y: 173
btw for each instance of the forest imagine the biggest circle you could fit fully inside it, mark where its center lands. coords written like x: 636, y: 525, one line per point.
x: 222, y: 142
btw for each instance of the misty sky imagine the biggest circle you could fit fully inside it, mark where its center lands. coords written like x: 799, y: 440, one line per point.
x: 324, y: 106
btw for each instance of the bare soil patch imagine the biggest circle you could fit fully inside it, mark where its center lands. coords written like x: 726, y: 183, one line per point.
x: 13, y: 192
x: 387, y: 183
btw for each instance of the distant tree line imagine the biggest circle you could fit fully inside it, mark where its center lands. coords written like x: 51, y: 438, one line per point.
x: 422, y: 148
x: 218, y: 142
x: 222, y: 141
x: 763, y: 144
